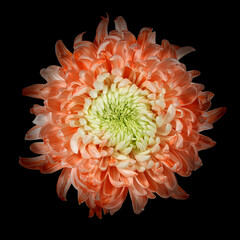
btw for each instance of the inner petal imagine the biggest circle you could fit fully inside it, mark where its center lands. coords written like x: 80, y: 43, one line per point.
x: 124, y: 117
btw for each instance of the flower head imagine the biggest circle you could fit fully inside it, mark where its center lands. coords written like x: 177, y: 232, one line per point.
x: 120, y: 115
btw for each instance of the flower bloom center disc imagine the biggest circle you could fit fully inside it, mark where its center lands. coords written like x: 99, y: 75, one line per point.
x: 121, y: 115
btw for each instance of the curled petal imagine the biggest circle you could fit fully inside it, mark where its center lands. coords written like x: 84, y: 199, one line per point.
x: 93, y: 151
x: 127, y: 173
x: 163, y: 191
x: 215, y: 114
x: 114, y: 177
x: 32, y: 163
x: 204, y: 142
x: 64, y: 182
x: 39, y: 148
x: 78, y: 40
x: 138, y: 202
x: 181, y: 52
x: 120, y: 24
x: 187, y: 96
x: 146, y: 37
x: 84, y: 152
x: 33, y: 133
x: 49, y: 167
x: 52, y: 73
x: 171, y: 181
x: 170, y: 114
x: 168, y: 51
x: 150, y: 51
x: 42, y: 119
x: 142, y: 180
x: 102, y: 31
x: 64, y: 55
x: 75, y: 142
x: 33, y: 91
x: 179, y: 193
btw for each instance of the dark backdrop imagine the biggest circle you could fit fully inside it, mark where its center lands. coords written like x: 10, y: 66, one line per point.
x: 32, y: 200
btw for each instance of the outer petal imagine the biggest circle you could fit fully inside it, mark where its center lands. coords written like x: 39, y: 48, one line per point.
x: 102, y: 31
x: 204, y: 142
x: 120, y: 24
x: 64, y: 55
x: 146, y: 37
x: 32, y: 163
x: 33, y: 133
x: 187, y: 96
x: 215, y: 114
x: 33, y: 91
x: 181, y: 52
x: 138, y: 201
x: 64, y: 182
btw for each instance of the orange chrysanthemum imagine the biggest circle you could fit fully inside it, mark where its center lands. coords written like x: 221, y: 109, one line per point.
x: 120, y: 115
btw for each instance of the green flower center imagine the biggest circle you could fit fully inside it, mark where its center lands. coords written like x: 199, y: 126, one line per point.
x: 124, y: 117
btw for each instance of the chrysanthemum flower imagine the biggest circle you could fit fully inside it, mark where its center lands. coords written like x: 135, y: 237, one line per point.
x: 121, y: 115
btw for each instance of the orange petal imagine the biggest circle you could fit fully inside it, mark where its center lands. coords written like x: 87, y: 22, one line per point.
x: 64, y: 182
x: 64, y: 55
x: 181, y: 52
x: 93, y: 151
x: 204, y: 142
x: 33, y: 133
x: 179, y: 193
x: 138, y: 202
x: 50, y: 167
x: 120, y: 24
x: 114, y: 177
x: 33, y: 91
x: 146, y: 37
x: 32, y: 163
x: 187, y: 96
x: 84, y: 152
x: 102, y: 30
x: 215, y: 114
x: 39, y: 148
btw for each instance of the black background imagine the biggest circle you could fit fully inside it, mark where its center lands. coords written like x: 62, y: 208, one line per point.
x: 32, y: 203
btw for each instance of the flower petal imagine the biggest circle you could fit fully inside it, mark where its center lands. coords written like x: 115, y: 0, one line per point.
x: 33, y: 91
x: 120, y: 24
x: 64, y: 182
x: 204, y: 142
x: 33, y: 133
x: 32, y: 163
x: 181, y: 52
x: 102, y: 30
x: 64, y: 55
x: 39, y: 148
x: 215, y: 114
x: 187, y: 96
